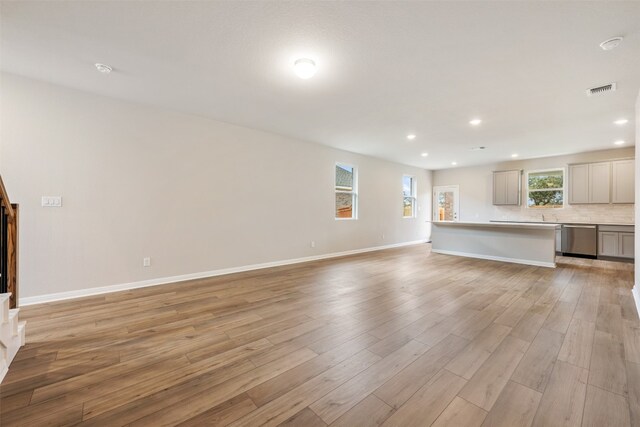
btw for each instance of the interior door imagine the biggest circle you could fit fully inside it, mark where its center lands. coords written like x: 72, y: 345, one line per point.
x: 446, y: 203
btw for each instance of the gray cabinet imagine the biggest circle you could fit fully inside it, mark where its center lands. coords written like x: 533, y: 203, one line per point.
x: 623, y: 174
x: 578, y: 184
x: 616, y: 241
x: 590, y: 183
x: 608, y: 243
x: 506, y: 187
x: 599, y: 182
x: 626, y: 244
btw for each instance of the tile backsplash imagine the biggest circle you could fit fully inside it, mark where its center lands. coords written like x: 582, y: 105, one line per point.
x: 597, y: 214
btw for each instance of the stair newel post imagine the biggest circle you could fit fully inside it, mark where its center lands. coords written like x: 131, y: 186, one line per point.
x: 12, y: 256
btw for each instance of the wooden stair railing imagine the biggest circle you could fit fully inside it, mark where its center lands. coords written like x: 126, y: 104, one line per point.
x: 8, y: 246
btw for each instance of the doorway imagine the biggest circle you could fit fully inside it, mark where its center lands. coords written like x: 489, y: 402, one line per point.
x: 446, y: 203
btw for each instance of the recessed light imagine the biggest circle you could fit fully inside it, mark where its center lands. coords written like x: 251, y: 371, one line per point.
x: 411, y: 137
x: 514, y: 155
x: 620, y: 142
x: 475, y: 122
x: 103, y: 68
x: 304, y: 68
x: 621, y: 121
x: 454, y: 163
x: 611, y: 43
x: 424, y: 154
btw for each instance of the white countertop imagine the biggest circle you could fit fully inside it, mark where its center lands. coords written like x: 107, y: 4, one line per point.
x: 534, y: 225
x: 565, y: 222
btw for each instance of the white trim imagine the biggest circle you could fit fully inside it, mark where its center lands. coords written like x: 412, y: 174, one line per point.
x: 636, y: 296
x: 183, y: 277
x: 496, y: 258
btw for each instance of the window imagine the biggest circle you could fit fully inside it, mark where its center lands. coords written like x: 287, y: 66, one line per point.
x: 346, y: 192
x: 545, y: 189
x: 408, y: 197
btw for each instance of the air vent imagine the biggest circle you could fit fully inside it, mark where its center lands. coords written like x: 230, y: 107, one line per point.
x: 477, y: 148
x: 611, y: 87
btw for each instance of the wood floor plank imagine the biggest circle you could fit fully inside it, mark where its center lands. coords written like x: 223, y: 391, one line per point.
x: 399, y: 388
x: 286, y: 381
x: 467, y: 362
x: 424, y: 407
x: 633, y: 376
x: 371, y: 409
x: 535, y: 367
x: 210, y: 397
x: 512, y: 315
x: 631, y: 341
x: 345, y: 397
x: 487, y: 383
x: 460, y: 413
x: 223, y: 414
x: 578, y: 343
x: 603, y: 408
x: 516, y: 407
x: 562, y: 403
x: 607, y: 369
x: 292, y: 402
x: 560, y: 316
x: 304, y: 418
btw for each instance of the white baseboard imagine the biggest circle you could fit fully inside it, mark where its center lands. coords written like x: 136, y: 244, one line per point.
x: 496, y: 258
x: 183, y: 277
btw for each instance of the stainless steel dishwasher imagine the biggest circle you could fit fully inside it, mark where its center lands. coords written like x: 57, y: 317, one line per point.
x: 580, y: 239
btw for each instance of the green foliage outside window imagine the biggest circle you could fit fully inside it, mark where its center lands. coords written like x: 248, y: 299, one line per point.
x: 546, y: 189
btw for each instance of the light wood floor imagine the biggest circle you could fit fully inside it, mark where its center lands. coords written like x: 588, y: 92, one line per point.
x: 395, y: 338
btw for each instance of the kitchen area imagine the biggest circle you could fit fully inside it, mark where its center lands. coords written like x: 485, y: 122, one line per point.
x: 584, y: 202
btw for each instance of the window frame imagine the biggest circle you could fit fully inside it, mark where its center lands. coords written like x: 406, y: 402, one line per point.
x: 563, y: 189
x: 413, y: 197
x: 353, y: 192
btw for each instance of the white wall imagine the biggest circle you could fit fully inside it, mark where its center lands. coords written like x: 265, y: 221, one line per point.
x: 636, y: 288
x: 476, y: 190
x: 192, y: 193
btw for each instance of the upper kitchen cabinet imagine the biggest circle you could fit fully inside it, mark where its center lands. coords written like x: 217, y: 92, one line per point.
x: 506, y: 187
x: 602, y: 182
x: 623, y: 172
x: 578, y: 184
x: 590, y: 183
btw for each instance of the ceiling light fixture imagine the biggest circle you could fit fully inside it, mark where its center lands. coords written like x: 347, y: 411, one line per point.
x: 475, y: 122
x: 514, y: 155
x: 611, y: 43
x: 424, y: 154
x: 304, y: 68
x: 411, y: 137
x: 620, y: 142
x: 103, y: 68
x: 621, y: 121
x: 454, y: 163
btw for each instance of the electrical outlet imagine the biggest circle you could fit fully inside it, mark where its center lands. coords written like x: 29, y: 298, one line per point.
x: 382, y: 236
x: 146, y: 262
x: 51, y: 201
x: 313, y: 243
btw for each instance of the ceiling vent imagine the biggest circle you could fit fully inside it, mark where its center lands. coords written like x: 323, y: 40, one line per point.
x: 611, y: 87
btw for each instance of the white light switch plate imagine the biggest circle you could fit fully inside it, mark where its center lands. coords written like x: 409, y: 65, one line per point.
x: 52, y: 201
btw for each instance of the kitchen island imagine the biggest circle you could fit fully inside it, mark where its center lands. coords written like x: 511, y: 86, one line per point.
x: 521, y: 243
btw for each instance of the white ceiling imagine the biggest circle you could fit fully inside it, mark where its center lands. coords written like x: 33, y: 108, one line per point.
x: 386, y: 69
